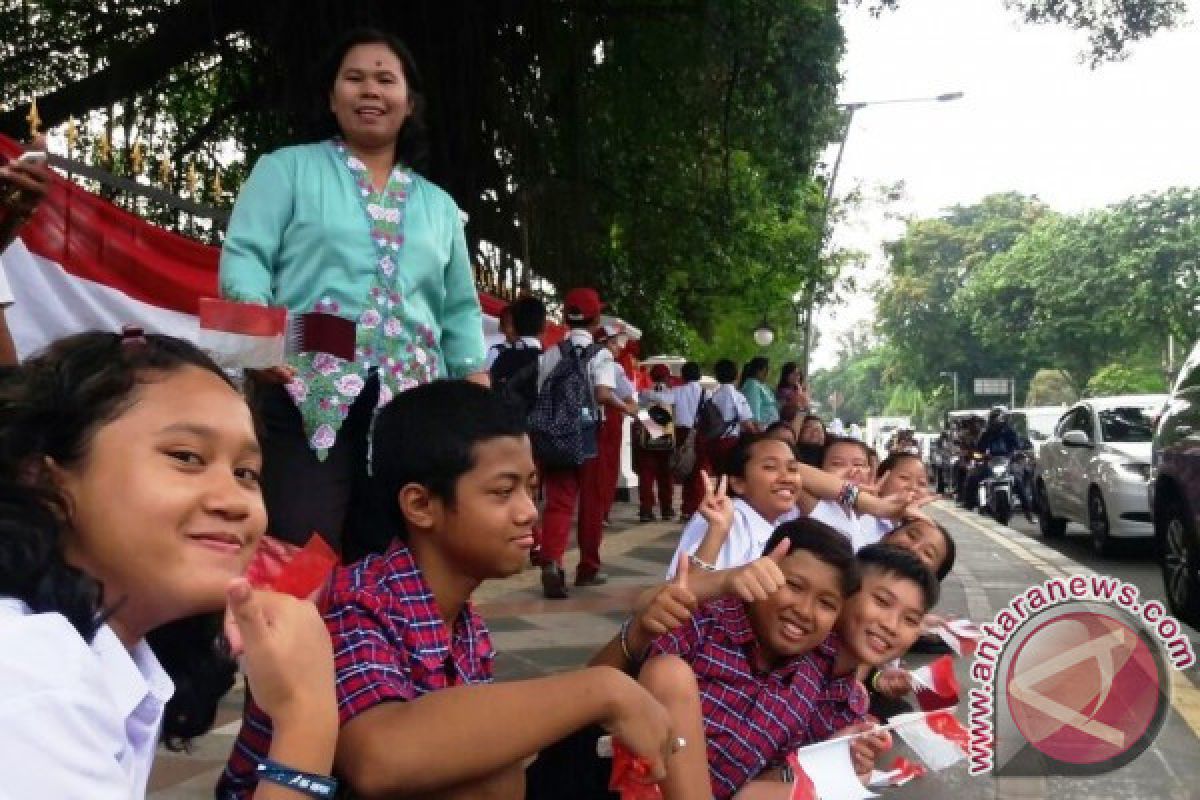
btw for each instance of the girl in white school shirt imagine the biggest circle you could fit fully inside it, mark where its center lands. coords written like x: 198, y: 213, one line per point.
x: 129, y: 507
x: 766, y: 482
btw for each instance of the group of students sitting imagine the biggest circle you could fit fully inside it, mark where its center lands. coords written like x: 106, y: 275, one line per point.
x: 129, y: 508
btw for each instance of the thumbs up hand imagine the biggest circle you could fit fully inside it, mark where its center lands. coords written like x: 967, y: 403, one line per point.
x: 759, y: 579
x: 665, y: 609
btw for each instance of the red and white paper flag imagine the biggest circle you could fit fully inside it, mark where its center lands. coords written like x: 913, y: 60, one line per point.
x: 935, y: 685
x: 899, y: 773
x: 243, y: 334
x: 938, y: 738
x: 825, y: 771
x: 960, y: 635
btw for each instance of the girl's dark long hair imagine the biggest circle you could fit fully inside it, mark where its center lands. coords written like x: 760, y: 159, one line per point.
x: 50, y: 409
x: 412, y: 145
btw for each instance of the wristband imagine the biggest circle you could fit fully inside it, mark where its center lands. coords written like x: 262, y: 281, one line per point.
x: 704, y: 565
x: 624, y: 637
x: 307, y: 783
x: 875, y: 681
x: 786, y: 775
x: 848, y: 496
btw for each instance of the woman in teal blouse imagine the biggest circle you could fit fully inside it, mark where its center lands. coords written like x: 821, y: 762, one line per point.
x: 346, y: 227
x: 760, y: 396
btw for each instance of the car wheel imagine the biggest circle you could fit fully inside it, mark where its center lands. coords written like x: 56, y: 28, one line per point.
x: 1102, y: 541
x: 1052, y: 527
x: 1180, y: 561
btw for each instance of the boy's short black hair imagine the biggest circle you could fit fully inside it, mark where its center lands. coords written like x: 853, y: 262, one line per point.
x: 833, y: 441
x: 427, y: 435
x: 896, y: 561
x: 893, y: 460
x: 528, y: 315
x: 691, y: 371
x: 725, y: 371
x: 824, y: 543
x: 809, y: 453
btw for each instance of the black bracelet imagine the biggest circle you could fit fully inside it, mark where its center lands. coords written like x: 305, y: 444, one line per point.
x: 320, y: 786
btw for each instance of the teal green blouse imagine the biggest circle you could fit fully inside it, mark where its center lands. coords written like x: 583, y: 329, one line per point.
x: 311, y: 233
x: 761, y: 400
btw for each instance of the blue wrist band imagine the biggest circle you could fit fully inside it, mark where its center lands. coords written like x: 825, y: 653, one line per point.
x: 321, y: 786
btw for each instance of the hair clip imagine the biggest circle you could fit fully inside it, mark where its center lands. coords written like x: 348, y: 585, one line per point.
x: 133, y: 336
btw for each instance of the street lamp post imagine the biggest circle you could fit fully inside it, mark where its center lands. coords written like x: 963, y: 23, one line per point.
x: 850, y: 109
x: 954, y: 376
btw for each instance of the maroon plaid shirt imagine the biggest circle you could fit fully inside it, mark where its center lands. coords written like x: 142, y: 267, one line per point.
x: 389, y: 645
x: 753, y: 719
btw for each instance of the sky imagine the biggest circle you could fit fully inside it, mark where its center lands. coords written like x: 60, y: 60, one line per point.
x: 1033, y: 119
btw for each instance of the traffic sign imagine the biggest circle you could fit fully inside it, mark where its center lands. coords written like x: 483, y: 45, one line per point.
x: 989, y: 387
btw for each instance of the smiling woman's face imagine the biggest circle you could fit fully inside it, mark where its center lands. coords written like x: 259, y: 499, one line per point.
x: 370, y: 95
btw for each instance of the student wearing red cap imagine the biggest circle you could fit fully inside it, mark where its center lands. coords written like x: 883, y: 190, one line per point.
x: 566, y: 489
x: 654, y: 463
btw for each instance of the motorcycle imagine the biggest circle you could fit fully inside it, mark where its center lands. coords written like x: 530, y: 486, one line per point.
x: 998, y: 488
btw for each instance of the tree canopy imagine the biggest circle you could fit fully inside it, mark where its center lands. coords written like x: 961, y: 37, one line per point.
x: 662, y: 150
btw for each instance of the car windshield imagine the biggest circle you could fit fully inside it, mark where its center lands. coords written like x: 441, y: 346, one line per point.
x: 1127, y: 424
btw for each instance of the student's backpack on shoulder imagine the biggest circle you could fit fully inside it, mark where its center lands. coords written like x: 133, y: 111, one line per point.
x: 514, y: 376
x: 710, y: 422
x: 562, y: 425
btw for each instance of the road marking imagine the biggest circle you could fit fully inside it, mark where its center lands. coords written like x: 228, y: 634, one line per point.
x: 1185, y: 697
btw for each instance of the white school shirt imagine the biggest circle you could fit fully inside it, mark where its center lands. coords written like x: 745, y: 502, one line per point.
x: 623, y: 388
x: 660, y: 394
x: 734, y: 407
x: 602, y: 368
x: 687, y: 403
x: 745, y: 542
x: 76, y: 720
x: 860, y: 529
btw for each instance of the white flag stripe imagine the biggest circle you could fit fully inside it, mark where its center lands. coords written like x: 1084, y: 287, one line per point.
x: 933, y: 748
x: 242, y: 350
x: 831, y: 771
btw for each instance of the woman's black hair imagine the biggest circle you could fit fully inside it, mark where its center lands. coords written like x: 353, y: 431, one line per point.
x: 51, y: 409
x: 824, y: 543
x: 412, y: 144
x: 752, y: 368
x: 786, y: 371
x: 780, y: 425
x: 690, y: 372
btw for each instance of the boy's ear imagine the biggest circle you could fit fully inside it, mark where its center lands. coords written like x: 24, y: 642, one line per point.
x: 418, y: 505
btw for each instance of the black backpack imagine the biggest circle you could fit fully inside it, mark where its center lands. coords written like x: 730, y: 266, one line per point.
x: 710, y: 422
x: 562, y: 425
x: 514, y: 376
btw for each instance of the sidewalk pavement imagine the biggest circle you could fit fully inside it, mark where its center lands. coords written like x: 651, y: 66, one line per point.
x: 534, y: 636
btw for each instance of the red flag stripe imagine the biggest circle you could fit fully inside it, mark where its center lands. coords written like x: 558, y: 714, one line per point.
x: 243, y: 318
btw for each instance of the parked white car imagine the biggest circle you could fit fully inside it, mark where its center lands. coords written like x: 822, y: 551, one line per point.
x: 1095, y: 469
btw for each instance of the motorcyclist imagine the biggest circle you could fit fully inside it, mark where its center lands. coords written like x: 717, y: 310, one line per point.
x: 998, y: 440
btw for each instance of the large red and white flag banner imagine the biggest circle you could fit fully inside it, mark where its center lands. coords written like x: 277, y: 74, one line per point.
x: 83, y: 264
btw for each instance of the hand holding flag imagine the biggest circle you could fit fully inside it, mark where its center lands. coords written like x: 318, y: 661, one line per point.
x: 936, y: 685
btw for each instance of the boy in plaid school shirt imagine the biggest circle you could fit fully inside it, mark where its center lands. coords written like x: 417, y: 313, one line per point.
x: 776, y: 655
x: 419, y: 713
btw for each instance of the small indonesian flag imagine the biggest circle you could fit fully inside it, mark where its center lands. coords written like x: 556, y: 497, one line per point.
x: 936, y: 685
x: 243, y: 334
x: 285, y: 568
x: 961, y: 635
x: 899, y: 773
x: 938, y: 738
x: 825, y: 771
x: 629, y: 771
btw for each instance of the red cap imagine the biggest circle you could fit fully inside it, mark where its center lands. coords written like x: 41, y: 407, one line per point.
x: 582, y: 304
x: 660, y: 372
